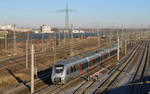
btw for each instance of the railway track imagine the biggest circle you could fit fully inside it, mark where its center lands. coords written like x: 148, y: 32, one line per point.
x: 79, y: 88
x: 55, y: 88
x: 76, y: 86
x: 73, y: 85
x: 140, y: 72
x: 38, y: 82
x: 113, y: 75
x: 123, y: 75
x: 130, y: 79
x: 18, y: 64
x: 84, y: 87
x: 145, y: 86
x: 90, y: 86
x: 94, y: 81
x: 42, y: 79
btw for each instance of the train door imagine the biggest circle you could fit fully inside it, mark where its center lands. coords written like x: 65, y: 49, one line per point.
x: 73, y: 71
x: 76, y: 70
x: 68, y: 73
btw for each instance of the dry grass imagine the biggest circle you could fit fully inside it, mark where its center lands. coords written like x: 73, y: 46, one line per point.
x: 9, y: 80
x: 83, y: 46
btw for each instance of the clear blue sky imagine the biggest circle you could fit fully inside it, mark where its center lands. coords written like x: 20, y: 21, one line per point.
x: 89, y: 13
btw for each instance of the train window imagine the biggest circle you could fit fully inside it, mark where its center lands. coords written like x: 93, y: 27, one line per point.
x: 59, y: 68
x: 113, y: 52
x: 94, y: 61
x: 110, y: 53
x: 105, y: 56
x: 100, y: 58
x: 82, y: 66
x: 86, y: 65
x: 74, y: 68
x: 89, y: 63
x: 68, y: 70
x: 71, y: 69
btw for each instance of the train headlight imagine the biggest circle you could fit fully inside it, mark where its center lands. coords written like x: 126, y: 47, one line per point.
x: 63, y: 77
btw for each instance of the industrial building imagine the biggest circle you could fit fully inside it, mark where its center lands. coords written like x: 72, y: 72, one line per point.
x: 4, y: 27
x: 46, y: 29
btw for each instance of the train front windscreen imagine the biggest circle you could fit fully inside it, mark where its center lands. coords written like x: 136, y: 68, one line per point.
x: 59, y: 69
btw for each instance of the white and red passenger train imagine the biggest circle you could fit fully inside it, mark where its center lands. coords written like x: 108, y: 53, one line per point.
x: 69, y: 69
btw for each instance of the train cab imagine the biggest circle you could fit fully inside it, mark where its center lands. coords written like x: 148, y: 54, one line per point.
x: 58, y: 74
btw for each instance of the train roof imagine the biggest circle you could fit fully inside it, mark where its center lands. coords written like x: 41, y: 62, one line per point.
x: 85, y: 55
x: 75, y: 58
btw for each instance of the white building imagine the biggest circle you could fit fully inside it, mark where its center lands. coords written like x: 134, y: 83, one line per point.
x: 78, y: 31
x: 81, y: 31
x: 8, y: 26
x: 36, y: 31
x: 46, y: 29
